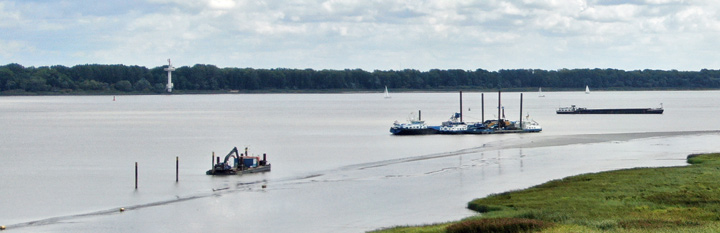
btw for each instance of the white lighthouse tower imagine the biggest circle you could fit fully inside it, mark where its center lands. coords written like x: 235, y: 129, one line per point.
x: 169, y: 69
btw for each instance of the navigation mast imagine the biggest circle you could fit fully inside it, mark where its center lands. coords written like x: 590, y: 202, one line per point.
x: 169, y: 69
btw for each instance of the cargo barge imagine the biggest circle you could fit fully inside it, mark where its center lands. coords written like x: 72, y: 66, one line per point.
x: 575, y: 110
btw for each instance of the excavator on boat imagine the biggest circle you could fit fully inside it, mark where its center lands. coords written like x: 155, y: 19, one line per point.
x: 241, y: 164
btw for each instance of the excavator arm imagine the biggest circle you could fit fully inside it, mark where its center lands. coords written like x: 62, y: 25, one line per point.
x: 234, y: 150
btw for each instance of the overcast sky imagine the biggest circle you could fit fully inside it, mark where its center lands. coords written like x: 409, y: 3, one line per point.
x: 365, y: 34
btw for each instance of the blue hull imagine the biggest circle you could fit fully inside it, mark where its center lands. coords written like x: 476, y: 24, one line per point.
x: 426, y: 131
x: 434, y: 130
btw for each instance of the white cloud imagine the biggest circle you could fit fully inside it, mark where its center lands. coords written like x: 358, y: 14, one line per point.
x: 221, y: 4
x: 8, y: 16
x: 696, y: 19
x: 10, y: 49
x: 624, y: 12
x: 663, y: 1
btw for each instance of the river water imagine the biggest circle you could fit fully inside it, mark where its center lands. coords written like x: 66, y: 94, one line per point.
x: 67, y: 162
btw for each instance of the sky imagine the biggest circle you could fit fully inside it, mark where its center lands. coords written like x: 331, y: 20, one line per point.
x: 365, y: 34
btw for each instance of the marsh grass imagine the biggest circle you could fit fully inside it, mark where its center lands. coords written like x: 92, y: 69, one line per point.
x: 497, y: 225
x: 670, y: 199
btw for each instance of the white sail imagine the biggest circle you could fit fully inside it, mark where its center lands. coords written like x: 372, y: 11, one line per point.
x: 387, y: 95
x: 587, y: 90
x: 540, y: 94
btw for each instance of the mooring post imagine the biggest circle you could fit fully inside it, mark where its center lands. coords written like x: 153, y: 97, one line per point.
x: 482, y: 106
x: 177, y: 168
x: 461, y: 113
x: 136, y: 174
x: 499, y: 106
x: 521, y: 100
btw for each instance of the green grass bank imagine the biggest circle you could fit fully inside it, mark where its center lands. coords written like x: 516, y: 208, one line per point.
x: 668, y: 199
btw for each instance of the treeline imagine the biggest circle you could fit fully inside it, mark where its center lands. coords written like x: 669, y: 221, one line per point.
x: 94, y: 78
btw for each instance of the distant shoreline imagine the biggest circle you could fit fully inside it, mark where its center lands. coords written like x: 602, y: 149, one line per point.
x: 325, y: 91
x: 16, y: 79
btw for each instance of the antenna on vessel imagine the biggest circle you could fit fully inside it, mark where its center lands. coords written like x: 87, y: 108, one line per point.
x: 169, y: 69
x: 461, y: 115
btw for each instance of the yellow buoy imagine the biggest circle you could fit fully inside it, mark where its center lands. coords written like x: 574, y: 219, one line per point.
x: 122, y: 209
x: 2, y: 227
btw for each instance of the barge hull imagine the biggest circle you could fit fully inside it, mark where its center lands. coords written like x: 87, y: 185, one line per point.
x: 265, y: 168
x: 502, y: 131
x: 615, y: 111
x: 413, y: 131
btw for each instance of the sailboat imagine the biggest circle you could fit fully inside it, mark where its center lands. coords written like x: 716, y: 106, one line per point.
x: 540, y: 94
x: 587, y: 90
x: 387, y: 95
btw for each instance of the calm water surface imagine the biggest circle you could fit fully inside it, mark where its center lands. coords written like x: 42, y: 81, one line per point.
x: 67, y: 162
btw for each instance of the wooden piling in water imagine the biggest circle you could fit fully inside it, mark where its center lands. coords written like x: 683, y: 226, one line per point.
x: 499, y: 106
x: 177, y: 168
x: 461, y: 112
x: 521, y: 100
x: 136, y: 174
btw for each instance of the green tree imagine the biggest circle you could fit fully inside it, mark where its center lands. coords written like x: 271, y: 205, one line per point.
x: 36, y: 84
x: 143, y: 85
x: 92, y: 85
x: 123, y: 85
x: 6, y: 75
x: 159, y: 88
